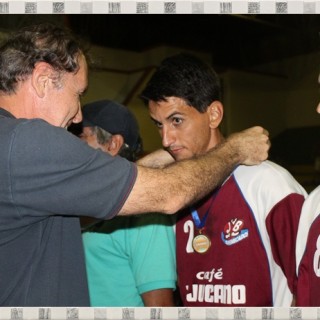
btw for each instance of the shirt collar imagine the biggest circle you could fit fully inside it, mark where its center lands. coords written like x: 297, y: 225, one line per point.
x: 5, y: 113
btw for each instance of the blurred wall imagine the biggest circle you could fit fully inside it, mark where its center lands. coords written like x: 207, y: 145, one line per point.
x: 277, y: 96
x: 121, y: 76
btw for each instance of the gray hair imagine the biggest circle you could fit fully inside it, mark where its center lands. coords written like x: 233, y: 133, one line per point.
x: 38, y: 43
x: 103, y: 137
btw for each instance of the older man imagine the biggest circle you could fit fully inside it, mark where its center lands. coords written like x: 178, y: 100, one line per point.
x: 44, y: 168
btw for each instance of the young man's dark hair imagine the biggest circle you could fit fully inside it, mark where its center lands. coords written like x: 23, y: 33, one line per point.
x: 198, y: 84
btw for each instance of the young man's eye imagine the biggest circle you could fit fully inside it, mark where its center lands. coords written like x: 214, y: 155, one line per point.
x: 157, y: 124
x: 176, y: 120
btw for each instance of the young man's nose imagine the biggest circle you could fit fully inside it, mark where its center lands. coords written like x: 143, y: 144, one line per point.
x: 167, y: 137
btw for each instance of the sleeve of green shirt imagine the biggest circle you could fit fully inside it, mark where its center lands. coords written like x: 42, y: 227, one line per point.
x: 153, y: 252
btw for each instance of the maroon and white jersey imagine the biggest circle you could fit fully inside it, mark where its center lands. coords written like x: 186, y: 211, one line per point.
x: 252, y: 223
x: 308, y: 252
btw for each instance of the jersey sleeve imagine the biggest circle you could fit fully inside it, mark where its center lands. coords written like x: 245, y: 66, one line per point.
x: 276, y: 199
x: 52, y: 172
x: 282, y: 225
x: 308, y: 252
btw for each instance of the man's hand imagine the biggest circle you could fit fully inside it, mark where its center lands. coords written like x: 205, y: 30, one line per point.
x: 184, y: 182
x: 252, y: 144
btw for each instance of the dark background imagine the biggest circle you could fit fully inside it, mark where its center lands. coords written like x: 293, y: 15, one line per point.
x: 238, y: 41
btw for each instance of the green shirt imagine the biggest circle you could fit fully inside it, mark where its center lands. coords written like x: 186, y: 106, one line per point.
x: 127, y: 256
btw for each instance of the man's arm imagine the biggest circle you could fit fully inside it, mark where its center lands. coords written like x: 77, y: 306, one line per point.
x: 158, y: 298
x: 157, y: 159
x: 169, y: 189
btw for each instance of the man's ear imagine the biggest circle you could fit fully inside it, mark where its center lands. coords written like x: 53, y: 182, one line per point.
x: 41, y: 75
x: 115, y: 143
x: 215, y: 112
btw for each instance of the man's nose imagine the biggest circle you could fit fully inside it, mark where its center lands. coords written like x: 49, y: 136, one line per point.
x: 167, y: 137
x: 78, y: 116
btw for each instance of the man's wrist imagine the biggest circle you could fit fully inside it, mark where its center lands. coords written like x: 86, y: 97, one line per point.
x: 231, y: 152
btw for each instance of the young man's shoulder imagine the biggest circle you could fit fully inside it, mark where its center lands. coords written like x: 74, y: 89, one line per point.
x: 268, y: 177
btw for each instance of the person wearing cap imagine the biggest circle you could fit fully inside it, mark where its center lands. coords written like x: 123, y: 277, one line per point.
x: 130, y: 261
x: 113, y: 128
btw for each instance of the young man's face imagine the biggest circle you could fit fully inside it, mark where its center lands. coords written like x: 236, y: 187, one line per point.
x: 185, y: 132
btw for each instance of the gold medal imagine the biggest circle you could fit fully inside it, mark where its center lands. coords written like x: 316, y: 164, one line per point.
x: 201, y: 243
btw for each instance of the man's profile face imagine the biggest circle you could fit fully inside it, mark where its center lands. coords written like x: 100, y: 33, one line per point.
x: 67, y: 97
x: 185, y: 132
x: 90, y: 137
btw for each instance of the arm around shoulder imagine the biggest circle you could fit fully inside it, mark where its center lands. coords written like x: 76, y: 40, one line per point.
x: 157, y: 159
x: 169, y: 189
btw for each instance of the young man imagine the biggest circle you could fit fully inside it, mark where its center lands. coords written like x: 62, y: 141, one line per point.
x: 130, y: 261
x: 235, y: 247
x: 308, y: 250
x: 43, y: 168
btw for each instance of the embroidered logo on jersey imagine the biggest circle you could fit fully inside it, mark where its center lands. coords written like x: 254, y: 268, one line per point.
x: 234, y: 232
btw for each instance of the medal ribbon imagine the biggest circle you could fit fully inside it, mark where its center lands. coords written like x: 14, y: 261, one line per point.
x: 195, y: 216
x: 196, y: 219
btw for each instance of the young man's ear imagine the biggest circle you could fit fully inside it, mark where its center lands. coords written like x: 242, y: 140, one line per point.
x: 41, y: 76
x: 115, y: 143
x: 215, y: 111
